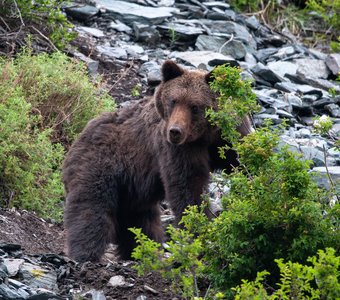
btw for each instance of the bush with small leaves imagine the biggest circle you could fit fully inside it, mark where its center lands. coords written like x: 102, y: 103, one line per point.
x: 44, y: 100
x: 45, y: 12
x: 320, y: 280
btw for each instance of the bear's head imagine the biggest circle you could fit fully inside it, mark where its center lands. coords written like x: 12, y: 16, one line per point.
x: 181, y: 101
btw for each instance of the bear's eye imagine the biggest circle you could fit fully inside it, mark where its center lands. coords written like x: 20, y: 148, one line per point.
x: 195, y: 109
x: 173, y: 102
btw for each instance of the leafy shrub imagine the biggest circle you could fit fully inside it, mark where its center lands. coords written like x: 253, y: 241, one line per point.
x: 29, y: 163
x: 182, y: 267
x: 319, y: 281
x: 235, y: 100
x: 274, y: 210
x: 59, y: 90
x: 42, y: 98
x: 328, y: 10
x: 44, y: 12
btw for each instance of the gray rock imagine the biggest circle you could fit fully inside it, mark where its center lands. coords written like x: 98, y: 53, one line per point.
x: 145, y: 33
x: 117, y: 280
x: 12, y: 293
x: 263, y: 54
x: 333, y: 109
x: 228, y: 29
x: 250, y: 60
x: 180, y: 31
x: 267, y: 74
x: 284, y: 52
x: 322, y: 177
x: 252, y: 23
x: 315, y: 68
x: 209, y: 42
x: 260, y: 118
x: 81, y: 12
x: 300, y: 88
x: 141, y: 297
x: 319, y: 104
x: 293, y: 100
x: 234, y: 48
x: 152, y: 71
x: 119, y: 26
x: 320, y: 83
x: 219, y: 4
x: 112, y: 52
x: 130, y: 12
x: 91, y: 31
x: 282, y: 67
x: 217, y: 14
x: 333, y: 63
x: 304, y: 133
x: 92, y: 65
x: 13, y: 265
x: 202, y: 59
x: 37, y: 277
x: 96, y: 295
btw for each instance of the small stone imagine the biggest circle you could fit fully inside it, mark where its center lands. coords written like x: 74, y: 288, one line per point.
x: 112, y: 52
x: 293, y: 100
x: 265, y: 73
x: 117, y: 281
x: 333, y: 63
x: 91, y: 31
x: 282, y: 67
x: 81, y: 12
x: 150, y: 289
x: 333, y: 109
x: 141, y: 297
x: 119, y: 26
x: 13, y: 265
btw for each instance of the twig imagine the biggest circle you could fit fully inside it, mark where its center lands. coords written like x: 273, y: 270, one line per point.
x: 226, y: 43
x: 3, y: 21
x: 207, y: 292
x: 16, y: 6
x: 121, y: 77
x: 46, y: 38
x: 329, y: 175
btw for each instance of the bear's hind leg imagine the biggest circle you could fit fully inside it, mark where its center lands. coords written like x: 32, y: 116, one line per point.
x: 150, y: 223
x: 89, y: 229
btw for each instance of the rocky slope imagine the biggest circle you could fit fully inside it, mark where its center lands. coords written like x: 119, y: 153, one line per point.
x: 127, y: 41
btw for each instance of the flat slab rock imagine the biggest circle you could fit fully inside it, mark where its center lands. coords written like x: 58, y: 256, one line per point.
x: 130, y: 12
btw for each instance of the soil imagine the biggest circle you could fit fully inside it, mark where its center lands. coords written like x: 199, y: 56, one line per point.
x: 39, y: 238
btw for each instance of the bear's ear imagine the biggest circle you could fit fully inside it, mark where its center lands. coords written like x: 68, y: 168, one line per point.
x: 171, y: 70
x: 209, y: 77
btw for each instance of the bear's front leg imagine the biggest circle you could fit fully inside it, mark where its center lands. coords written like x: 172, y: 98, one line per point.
x: 185, y: 176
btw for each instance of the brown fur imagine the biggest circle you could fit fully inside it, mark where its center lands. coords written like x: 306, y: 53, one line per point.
x: 125, y: 163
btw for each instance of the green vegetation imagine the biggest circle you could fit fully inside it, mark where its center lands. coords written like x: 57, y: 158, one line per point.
x: 297, y: 281
x: 273, y: 212
x: 45, y: 101
x: 47, y: 13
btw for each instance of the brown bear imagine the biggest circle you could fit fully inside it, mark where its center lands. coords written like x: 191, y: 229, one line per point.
x: 125, y: 163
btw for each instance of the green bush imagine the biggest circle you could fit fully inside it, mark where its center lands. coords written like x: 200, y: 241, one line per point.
x: 274, y: 210
x: 297, y: 281
x: 29, y: 163
x: 59, y: 90
x: 47, y: 13
x: 44, y: 100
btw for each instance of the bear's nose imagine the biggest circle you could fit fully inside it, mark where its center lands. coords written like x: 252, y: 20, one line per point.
x: 175, y: 132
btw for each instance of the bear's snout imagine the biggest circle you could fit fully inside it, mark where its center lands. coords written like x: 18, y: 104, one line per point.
x: 175, y: 134
x: 178, y: 125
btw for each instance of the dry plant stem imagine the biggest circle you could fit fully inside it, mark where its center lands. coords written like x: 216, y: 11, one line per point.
x: 226, y: 43
x: 121, y: 76
x: 19, y: 12
x: 3, y: 21
x: 45, y: 38
x: 207, y: 292
x: 328, y: 174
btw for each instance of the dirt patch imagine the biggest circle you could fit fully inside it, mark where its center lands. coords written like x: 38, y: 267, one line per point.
x: 42, y: 242
x: 34, y: 234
